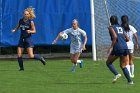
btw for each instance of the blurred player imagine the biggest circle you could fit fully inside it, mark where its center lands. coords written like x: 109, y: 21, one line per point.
x: 76, y: 45
x: 131, y: 31
x: 118, y: 49
x: 27, y: 28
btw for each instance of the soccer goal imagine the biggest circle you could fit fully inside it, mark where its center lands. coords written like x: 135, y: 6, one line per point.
x: 103, y: 9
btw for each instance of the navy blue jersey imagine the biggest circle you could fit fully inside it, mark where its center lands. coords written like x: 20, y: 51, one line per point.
x: 121, y: 41
x: 24, y: 26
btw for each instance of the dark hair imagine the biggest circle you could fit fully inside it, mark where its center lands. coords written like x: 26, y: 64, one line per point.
x: 125, y: 23
x: 114, y: 20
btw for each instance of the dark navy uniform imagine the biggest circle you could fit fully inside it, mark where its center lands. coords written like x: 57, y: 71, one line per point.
x: 25, y: 38
x: 120, y: 48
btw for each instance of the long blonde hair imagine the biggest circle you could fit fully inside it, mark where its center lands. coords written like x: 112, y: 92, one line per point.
x: 31, y: 12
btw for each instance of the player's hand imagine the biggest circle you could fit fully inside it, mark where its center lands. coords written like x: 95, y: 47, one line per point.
x: 137, y: 46
x: 109, y: 50
x: 28, y: 31
x: 13, y: 30
x: 83, y: 47
x: 54, y: 42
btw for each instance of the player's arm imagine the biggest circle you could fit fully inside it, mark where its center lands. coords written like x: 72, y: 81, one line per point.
x: 33, y: 30
x: 85, y: 41
x: 135, y: 36
x: 136, y: 39
x: 112, y: 32
x: 57, y: 38
x: 14, y: 30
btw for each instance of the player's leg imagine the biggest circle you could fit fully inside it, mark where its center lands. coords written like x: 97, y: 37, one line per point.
x: 79, y: 51
x: 29, y: 45
x: 109, y: 64
x: 79, y: 61
x: 77, y: 57
x: 123, y: 62
x: 38, y: 57
x: 127, y: 65
x: 72, y: 56
x: 20, y: 60
x: 131, y: 65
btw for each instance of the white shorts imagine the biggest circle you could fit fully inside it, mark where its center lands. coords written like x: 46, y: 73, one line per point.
x: 131, y: 50
x: 74, y: 50
x: 130, y: 45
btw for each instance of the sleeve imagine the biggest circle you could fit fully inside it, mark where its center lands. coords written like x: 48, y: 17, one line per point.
x: 82, y: 32
x: 132, y: 29
x: 67, y: 31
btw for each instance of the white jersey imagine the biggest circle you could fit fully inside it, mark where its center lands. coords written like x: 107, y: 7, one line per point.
x: 130, y: 34
x: 75, y: 35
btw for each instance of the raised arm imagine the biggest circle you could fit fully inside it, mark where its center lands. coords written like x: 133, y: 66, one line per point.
x: 57, y: 38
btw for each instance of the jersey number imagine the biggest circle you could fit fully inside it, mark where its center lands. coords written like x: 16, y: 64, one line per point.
x: 120, y: 30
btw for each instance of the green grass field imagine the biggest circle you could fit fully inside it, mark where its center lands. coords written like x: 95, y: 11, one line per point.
x: 56, y: 77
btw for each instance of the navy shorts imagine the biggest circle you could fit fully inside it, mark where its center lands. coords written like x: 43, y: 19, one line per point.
x: 25, y: 43
x: 122, y: 52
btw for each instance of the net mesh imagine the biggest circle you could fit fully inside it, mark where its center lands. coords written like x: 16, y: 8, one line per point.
x: 118, y: 8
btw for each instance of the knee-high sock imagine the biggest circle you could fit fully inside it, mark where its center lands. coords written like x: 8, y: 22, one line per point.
x: 132, y: 69
x: 73, y: 67
x: 38, y: 57
x: 112, y: 69
x: 20, y: 62
x: 78, y: 61
x: 126, y: 73
x: 128, y: 68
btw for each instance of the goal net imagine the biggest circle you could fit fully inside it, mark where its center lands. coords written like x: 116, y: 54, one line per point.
x: 118, y: 8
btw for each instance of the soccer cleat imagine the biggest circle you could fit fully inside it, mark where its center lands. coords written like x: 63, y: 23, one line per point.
x: 81, y: 64
x: 21, y: 69
x: 130, y: 83
x: 73, y: 70
x: 43, y: 61
x: 132, y: 76
x: 116, y: 77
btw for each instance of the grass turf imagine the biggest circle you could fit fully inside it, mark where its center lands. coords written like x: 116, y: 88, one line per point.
x: 56, y: 77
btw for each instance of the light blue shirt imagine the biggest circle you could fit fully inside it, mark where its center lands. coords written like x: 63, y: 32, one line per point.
x: 75, y: 36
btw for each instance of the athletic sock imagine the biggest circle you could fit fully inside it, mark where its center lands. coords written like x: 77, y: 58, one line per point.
x: 128, y: 68
x: 126, y: 73
x: 37, y: 57
x: 132, y: 69
x: 112, y: 69
x: 73, y: 67
x: 43, y: 61
x: 20, y: 62
x: 78, y: 61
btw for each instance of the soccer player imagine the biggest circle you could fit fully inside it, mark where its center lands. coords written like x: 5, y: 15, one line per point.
x: 27, y: 28
x: 118, y: 49
x: 131, y: 32
x: 76, y: 45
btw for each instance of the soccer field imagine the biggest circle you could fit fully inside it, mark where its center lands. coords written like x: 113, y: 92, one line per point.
x: 56, y: 77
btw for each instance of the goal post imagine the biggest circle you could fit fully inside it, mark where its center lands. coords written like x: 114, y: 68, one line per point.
x: 93, y: 30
